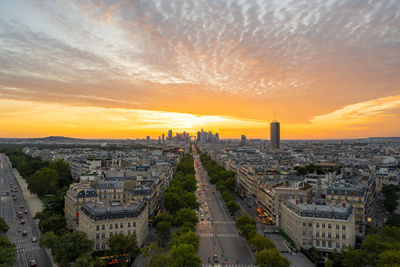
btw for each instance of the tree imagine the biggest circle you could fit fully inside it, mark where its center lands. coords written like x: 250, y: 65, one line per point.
x: 63, y: 170
x: 393, y: 220
x: 172, y: 202
x: 270, y: 258
x: 220, y: 185
x: 43, y: 182
x: 51, y: 222
x: 85, y: 260
x: 389, y: 258
x: 232, y: 206
x: 7, y: 251
x: 185, y: 238
x: 260, y: 242
x: 185, y: 215
x: 354, y: 258
x: 156, y: 255
x: 67, y: 247
x: 163, y: 230
x: 227, y: 196
x: 184, y: 255
x: 248, y: 231
x: 3, y: 226
x: 243, y: 220
x: 230, y: 183
x: 121, y: 244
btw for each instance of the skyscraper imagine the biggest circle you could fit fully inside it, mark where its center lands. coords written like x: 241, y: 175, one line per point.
x: 275, y: 134
x: 170, y: 135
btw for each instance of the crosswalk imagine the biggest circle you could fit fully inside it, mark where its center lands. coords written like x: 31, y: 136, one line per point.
x: 227, y: 265
x: 218, y: 235
x: 217, y: 222
x: 21, y: 241
x: 22, y: 250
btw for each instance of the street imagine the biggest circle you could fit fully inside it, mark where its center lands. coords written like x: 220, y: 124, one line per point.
x: 13, y: 204
x: 218, y: 233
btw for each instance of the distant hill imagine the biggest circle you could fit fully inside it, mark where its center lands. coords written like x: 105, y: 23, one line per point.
x: 384, y: 138
x: 57, y: 139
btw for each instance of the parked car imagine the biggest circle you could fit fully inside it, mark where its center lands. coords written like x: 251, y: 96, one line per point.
x: 34, y: 239
x: 33, y: 263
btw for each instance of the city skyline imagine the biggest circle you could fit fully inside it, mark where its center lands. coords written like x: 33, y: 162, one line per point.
x: 133, y: 69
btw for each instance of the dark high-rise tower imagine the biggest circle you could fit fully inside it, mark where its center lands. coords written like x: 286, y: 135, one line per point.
x: 275, y: 134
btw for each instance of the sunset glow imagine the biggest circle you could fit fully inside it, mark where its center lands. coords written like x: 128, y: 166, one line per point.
x: 128, y: 69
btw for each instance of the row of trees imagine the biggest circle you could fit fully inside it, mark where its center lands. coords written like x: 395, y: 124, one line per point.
x: 224, y: 181
x: 8, y: 252
x: 380, y: 248
x: 391, y: 197
x: 179, y: 203
x: 266, y: 253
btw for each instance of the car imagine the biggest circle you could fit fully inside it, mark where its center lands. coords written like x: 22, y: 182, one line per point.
x: 19, y: 229
x: 215, y: 258
x: 15, y: 199
x: 34, y: 239
x: 13, y: 195
x: 24, y: 233
x: 202, y: 217
x: 208, y: 218
x: 22, y: 222
x: 26, y: 211
x: 21, y: 206
x: 20, y: 215
x: 205, y: 204
x: 213, y: 192
x: 33, y: 263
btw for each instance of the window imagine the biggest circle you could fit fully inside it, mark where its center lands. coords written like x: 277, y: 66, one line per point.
x: 304, y: 233
x: 304, y: 224
x: 317, y: 243
x: 323, y: 225
x: 310, y: 233
x: 317, y: 225
x: 329, y: 226
x: 111, y: 226
x: 121, y: 225
x: 111, y: 234
x: 323, y: 243
x: 103, y: 246
x: 97, y: 246
x: 329, y: 244
x: 134, y: 224
x: 129, y: 224
x: 129, y: 232
x: 323, y: 234
x: 103, y: 235
x: 343, y: 236
x: 310, y: 243
x: 337, y: 226
x: 97, y: 227
x: 343, y: 227
x: 116, y: 226
x: 103, y: 227
x: 338, y: 245
x: 317, y: 234
x: 304, y: 243
x: 337, y: 236
x: 343, y: 245
x: 329, y: 235
x: 97, y: 236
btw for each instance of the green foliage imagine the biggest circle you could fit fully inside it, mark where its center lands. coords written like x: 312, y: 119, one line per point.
x: 163, y: 230
x: 68, y: 247
x: 270, y: 258
x: 391, y: 197
x: 246, y: 226
x: 63, y: 170
x: 243, y: 220
x: 51, y: 222
x: 43, y: 182
x: 187, y: 237
x: 232, y: 206
x: 185, y: 215
x: 226, y: 196
x: 216, y: 171
x: 8, y: 253
x: 121, y: 244
x: 373, y: 250
x: 309, y: 169
x: 230, y: 183
x: 260, y: 242
x: 220, y: 185
x: 184, y: 255
x: 3, y: 226
x: 85, y: 260
x: 156, y: 256
x: 393, y: 220
x: 389, y: 258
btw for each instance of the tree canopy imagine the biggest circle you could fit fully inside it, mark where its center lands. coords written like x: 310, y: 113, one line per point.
x: 121, y: 244
x: 3, y: 226
x: 271, y: 258
x: 7, y: 251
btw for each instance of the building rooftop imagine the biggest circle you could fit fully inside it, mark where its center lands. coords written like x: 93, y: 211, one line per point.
x: 319, y: 211
x: 99, y: 212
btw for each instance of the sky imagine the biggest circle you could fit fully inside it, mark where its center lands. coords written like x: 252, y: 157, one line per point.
x: 328, y: 69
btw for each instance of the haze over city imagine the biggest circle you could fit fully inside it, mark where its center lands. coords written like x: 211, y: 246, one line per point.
x: 135, y: 68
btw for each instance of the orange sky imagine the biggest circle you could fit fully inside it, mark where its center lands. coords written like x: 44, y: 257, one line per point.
x: 131, y: 69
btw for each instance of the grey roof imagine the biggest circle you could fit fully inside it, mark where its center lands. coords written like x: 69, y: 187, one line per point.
x: 107, y: 184
x: 100, y: 212
x: 86, y: 193
x: 345, y: 189
x: 319, y: 211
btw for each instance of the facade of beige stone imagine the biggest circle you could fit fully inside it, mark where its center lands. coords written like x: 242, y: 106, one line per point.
x: 102, y: 222
x: 326, y: 228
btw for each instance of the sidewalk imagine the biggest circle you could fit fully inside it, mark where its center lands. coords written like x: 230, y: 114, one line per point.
x: 32, y: 200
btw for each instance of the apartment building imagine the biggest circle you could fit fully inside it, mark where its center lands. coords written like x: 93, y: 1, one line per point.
x: 77, y: 195
x: 360, y: 196
x: 109, y: 191
x: 101, y: 222
x: 327, y: 228
x: 270, y: 197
